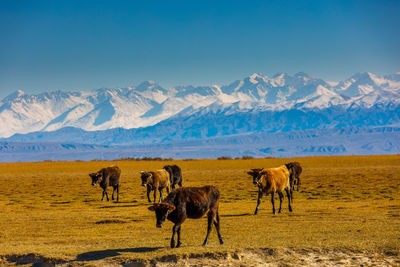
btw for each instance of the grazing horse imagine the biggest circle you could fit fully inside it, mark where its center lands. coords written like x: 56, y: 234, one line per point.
x: 270, y: 181
x: 107, y: 177
x: 175, y: 175
x: 155, y: 180
x: 189, y: 202
x: 295, y: 170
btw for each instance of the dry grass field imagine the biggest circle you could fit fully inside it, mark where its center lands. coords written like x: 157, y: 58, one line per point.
x: 347, y: 211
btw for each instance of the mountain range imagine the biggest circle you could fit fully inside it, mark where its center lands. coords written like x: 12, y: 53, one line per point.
x: 151, y: 114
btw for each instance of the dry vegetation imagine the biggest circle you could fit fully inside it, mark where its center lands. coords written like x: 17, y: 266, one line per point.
x: 347, y: 208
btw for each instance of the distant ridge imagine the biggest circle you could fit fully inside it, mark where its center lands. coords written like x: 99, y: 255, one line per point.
x: 282, y: 116
x: 218, y: 121
x: 341, y: 141
x: 149, y: 103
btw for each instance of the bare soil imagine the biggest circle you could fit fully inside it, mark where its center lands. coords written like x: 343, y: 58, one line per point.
x: 245, y: 257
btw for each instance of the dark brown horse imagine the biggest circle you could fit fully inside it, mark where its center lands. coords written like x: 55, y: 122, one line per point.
x: 189, y: 202
x: 295, y: 170
x: 107, y: 177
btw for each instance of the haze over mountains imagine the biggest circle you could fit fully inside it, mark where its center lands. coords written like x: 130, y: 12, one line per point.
x: 150, y: 114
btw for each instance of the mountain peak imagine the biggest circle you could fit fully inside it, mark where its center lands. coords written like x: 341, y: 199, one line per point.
x: 256, y: 78
x: 256, y: 75
x: 362, y: 75
x: 14, y: 95
x: 302, y: 75
x: 146, y: 85
x: 280, y: 75
x: 149, y: 82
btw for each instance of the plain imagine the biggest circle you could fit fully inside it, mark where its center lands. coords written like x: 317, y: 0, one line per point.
x: 50, y: 211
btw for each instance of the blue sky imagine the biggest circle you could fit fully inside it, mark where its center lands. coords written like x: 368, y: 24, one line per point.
x: 84, y: 45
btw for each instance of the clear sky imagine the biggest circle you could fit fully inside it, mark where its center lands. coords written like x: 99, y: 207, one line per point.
x: 85, y: 45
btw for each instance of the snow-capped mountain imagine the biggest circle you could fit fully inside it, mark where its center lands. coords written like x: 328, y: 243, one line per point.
x: 304, y: 101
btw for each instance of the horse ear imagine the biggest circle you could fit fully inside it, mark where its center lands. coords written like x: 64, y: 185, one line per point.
x: 250, y: 173
x: 152, y: 208
x: 171, y: 208
x: 141, y: 172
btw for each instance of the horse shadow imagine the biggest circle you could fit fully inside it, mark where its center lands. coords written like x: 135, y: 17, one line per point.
x: 102, y: 254
x: 120, y: 206
x: 235, y: 215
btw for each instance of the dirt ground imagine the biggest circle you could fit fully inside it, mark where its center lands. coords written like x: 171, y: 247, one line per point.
x: 246, y: 257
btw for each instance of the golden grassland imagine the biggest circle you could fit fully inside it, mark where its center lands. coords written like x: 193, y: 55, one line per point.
x: 345, y: 203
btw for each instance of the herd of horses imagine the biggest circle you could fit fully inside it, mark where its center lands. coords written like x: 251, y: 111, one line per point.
x: 194, y: 202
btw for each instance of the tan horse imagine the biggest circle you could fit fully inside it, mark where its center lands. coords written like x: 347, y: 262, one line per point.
x: 270, y: 181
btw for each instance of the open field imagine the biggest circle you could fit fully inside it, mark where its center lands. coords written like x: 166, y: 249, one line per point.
x: 347, y: 211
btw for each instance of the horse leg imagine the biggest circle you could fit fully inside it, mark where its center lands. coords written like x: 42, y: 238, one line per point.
x: 160, y: 195
x: 112, y: 196
x: 298, y: 183
x: 216, y: 224
x: 155, y: 194
x: 273, y: 202
x: 291, y: 181
x: 291, y: 193
x: 211, y: 216
x: 148, y: 193
x: 260, y: 194
x: 280, y: 201
x: 105, y: 191
x: 179, y: 237
x: 288, y: 195
x: 174, y: 229
x: 118, y: 193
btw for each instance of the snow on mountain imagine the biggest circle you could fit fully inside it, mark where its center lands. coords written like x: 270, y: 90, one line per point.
x: 24, y: 113
x: 361, y: 83
x: 383, y: 97
x: 151, y: 90
x: 148, y: 103
x: 320, y: 98
x: 280, y: 88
